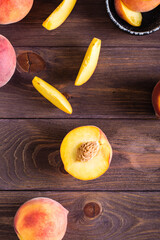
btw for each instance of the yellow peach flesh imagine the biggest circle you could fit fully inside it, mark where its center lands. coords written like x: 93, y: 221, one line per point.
x: 59, y: 15
x: 52, y: 95
x: 89, y: 63
x: 132, y: 17
x: 96, y: 166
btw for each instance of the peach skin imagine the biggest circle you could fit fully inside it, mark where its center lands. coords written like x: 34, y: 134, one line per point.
x: 41, y: 219
x: 156, y: 99
x: 141, y: 5
x: 7, y: 60
x: 12, y: 11
x: 132, y: 17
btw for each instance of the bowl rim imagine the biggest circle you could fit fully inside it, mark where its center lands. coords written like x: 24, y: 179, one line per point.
x: 125, y: 29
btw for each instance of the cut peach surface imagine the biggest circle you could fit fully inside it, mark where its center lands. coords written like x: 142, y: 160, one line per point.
x: 59, y: 15
x: 132, y: 17
x: 141, y: 5
x: 12, y: 11
x: 41, y: 219
x: 156, y: 99
x: 89, y: 63
x: 52, y: 95
x: 86, y: 152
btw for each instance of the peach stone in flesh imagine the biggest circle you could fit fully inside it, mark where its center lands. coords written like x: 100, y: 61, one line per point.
x: 86, y: 152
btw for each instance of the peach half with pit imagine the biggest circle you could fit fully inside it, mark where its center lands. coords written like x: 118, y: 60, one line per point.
x: 7, y: 60
x: 156, y: 99
x: 41, y: 219
x: 141, y: 5
x: 132, y: 17
x: 86, y: 152
x: 12, y: 11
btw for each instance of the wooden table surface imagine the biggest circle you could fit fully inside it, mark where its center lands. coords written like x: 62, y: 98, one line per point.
x: 123, y: 204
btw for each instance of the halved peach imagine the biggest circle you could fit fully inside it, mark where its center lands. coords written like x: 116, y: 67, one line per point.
x: 41, y: 219
x: 59, y: 15
x: 141, y: 5
x: 52, y: 95
x: 132, y: 17
x: 156, y: 99
x: 86, y: 152
x: 89, y: 63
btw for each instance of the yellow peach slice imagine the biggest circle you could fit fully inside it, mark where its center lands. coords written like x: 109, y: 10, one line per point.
x: 86, y: 152
x: 89, y: 63
x: 59, y: 15
x: 52, y: 95
x: 132, y: 17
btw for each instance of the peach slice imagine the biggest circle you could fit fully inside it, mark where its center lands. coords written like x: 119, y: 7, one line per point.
x: 141, y: 5
x: 59, y: 15
x: 52, y: 95
x: 89, y: 63
x: 12, y: 11
x: 156, y: 99
x: 41, y: 219
x: 132, y: 17
x: 86, y: 152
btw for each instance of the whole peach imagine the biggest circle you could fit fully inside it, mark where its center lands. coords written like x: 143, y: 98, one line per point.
x: 7, y: 60
x: 141, y: 5
x: 41, y: 219
x: 12, y: 11
x: 156, y: 99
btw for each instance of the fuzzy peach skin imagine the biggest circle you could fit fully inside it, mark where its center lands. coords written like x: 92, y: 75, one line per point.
x: 41, y: 219
x: 7, y: 60
x: 12, y: 11
x: 156, y: 99
x: 141, y: 5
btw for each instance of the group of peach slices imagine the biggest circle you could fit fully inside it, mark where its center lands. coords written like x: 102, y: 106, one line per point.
x: 131, y: 10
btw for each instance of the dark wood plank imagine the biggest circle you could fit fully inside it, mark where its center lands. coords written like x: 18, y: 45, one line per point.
x: 88, y: 19
x: 128, y: 216
x: 30, y: 158
x: 121, y: 87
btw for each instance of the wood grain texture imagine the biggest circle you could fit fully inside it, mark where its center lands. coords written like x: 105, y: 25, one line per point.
x: 128, y: 216
x: 29, y: 155
x: 121, y: 86
x: 89, y: 19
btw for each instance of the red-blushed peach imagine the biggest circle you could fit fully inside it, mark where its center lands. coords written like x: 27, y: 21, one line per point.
x: 41, y: 219
x: 7, y: 60
x: 141, y: 5
x: 156, y: 99
x: 86, y: 153
x: 12, y: 11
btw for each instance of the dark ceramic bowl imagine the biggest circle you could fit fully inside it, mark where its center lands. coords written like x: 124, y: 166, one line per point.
x: 150, y: 22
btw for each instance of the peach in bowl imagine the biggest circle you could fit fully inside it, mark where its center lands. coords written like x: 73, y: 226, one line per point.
x: 135, y: 17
